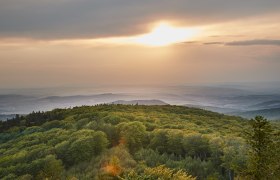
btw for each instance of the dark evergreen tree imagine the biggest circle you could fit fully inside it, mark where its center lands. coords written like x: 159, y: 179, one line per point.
x: 262, y: 150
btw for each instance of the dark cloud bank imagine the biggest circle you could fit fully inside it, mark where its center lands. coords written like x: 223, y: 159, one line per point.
x: 52, y: 19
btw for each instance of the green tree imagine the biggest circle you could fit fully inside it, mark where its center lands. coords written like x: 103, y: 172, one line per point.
x: 174, y: 142
x: 52, y: 168
x: 196, y: 145
x: 84, y: 148
x: 158, y: 173
x: 164, y: 173
x: 132, y: 134
x: 61, y: 151
x: 262, y: 150
x: 234, y: 156
x: 159, y: 141
x: 26, y: 177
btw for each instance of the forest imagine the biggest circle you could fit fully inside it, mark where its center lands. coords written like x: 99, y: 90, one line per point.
x: 135, y: 142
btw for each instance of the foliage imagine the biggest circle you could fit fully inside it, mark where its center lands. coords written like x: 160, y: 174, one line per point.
x: 137, y: 142
x: 264, y: 150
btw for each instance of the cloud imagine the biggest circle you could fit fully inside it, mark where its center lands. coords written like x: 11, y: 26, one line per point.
x: 271, y: 42
x: 64, y: 19
x: 213, y: 43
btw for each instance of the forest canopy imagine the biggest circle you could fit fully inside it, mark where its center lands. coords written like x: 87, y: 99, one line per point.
x: 137, y: 142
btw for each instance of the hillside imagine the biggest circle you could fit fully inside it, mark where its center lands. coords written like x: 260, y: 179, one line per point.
x: 140, y: 102
x: 273, y: 113
x: 123, y: 142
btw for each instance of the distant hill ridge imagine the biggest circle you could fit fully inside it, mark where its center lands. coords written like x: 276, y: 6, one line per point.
x: 272, y: 114
x: 141, y: 102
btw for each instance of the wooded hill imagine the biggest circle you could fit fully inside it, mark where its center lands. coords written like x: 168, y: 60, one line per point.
x: 129, y: 142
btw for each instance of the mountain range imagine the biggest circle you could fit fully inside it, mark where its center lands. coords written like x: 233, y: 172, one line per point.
x: 226, y: 100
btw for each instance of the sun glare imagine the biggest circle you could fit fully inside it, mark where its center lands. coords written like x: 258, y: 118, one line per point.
x: 165, y: 34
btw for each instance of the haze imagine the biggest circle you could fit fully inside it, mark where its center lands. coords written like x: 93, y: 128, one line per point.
x: 96, y: 43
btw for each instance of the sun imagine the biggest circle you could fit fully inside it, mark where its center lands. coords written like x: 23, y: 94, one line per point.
x: 164, y: 34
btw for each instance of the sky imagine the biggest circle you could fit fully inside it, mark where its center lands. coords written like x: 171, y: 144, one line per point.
x: 51, y: 43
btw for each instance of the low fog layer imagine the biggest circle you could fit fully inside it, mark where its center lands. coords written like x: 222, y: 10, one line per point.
x: 245, y: 100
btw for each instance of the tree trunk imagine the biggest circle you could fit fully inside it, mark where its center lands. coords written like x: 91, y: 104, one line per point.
x: 231, y: 174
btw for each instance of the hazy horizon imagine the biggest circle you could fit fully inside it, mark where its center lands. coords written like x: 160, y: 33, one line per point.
x: 258, y: 87
x: 243, y: 99
x: 219, y: 55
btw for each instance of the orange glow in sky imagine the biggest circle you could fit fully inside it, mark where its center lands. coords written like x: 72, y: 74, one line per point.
x: 165, y: 34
